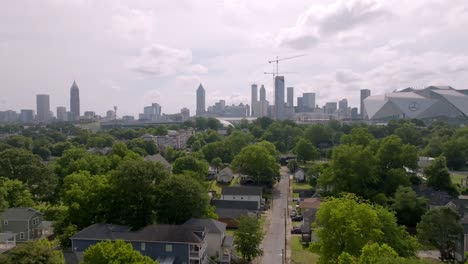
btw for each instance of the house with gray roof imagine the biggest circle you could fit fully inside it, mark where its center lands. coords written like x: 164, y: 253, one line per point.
x: 219, y: 245
x: 225, y: 176
x: 242, y: 193
x: 173, y: 244
x: 160, y: 159
x: 25, y: 222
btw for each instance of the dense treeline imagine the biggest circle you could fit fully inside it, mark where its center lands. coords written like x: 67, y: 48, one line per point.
x: 77, y: 177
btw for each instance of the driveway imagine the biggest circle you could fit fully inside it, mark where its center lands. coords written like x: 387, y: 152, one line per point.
x: 273, y: 244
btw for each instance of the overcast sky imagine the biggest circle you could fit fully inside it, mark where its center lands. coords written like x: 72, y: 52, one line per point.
x: 131, y: 53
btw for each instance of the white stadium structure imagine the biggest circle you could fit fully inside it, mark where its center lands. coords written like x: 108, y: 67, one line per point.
x: 433, y: 102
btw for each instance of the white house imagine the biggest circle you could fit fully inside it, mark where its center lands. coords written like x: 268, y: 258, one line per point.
x: 242, y: 193
x: 219, y: 245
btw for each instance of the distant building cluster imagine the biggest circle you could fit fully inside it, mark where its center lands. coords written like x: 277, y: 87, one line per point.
x: 173, y: 139
x: 430, y: 103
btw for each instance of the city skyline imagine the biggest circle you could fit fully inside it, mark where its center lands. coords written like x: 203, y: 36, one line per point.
x: 125, y: 62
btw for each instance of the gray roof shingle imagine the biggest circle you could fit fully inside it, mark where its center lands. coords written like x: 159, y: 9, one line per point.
x: 18, y: 213
x: 212, y: 225
x: 249, y: 205
x: 151, y: 233
x: 241, y: 190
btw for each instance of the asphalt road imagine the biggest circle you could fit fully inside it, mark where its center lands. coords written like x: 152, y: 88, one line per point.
x: 274, y: 240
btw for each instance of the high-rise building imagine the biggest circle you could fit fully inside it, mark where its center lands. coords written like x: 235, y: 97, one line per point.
x: 300, y: 104
x: 200, y: 100
x: 27, y: 115
x: 185, y: 112
x: 110, y: 115
x: 254, y: 98
x: 343, y: 104
x: 279, y: 98
x: 61, y: 113
x: 330, y: 107
x: 262, y: 93
x: 364, y: 94
x: 152, y: 112
x: 308, y: 102
x: 290, y: 97
x: 43, y: 107
x: 75, y: 102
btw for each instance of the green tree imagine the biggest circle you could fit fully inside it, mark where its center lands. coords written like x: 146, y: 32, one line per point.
x: 358, y: 136
x: 22, y: 165
x: 438, y: 175
x: 19, y: 141
x: 408, y: 206
x: 352, y: 169
x: 133, y: 188
x: 114, y: 252
x: 248, y: 237
x: 216, y: 163
x: 409, y: 134
x: 180, y: 198
x: 347, y: 224
x: 32, y: 252
x: 15, y: 193
x: 190, y: 163
x: 78, y: 159
x: 257, y: 162
x: 305, y: 150
x: 293, y: 166
x: 393, y: 154
x: 440, y: 227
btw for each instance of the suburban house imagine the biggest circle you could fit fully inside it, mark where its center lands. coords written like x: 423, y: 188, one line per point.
x: 160, y: 159
x: 299, y: 175
x: 219, y: 245
x: 171, y: 244
x: 225, y: 176
x: 25, y: 223
x: 242, y: 193
x: 230, y: 216
x: 249, y: 205
x: 212, y: 171
x: 309, y: 208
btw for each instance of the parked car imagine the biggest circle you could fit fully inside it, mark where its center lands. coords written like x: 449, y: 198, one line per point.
x: 297, y: 218
x: 296, y: 230
x: 293, y: 213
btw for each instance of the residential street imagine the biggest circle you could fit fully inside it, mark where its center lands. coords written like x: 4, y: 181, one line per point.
x: 274, y: 241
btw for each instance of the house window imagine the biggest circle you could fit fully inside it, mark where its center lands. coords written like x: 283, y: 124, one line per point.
x: 21, y: 235
x: 143, y: 246
x: 168, y: 248
x: 35, y: 221
x: 5, y: 222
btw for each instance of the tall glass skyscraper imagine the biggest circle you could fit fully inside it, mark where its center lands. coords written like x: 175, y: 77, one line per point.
x: 279, y: 97
x: 43, y: 107
x: 200, y: 101
x: 75, y: 102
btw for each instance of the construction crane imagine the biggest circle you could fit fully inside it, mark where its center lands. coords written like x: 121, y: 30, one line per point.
x: 277, y: 60
x: 276, y: 73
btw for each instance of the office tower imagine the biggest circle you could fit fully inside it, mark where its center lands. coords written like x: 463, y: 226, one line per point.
x: 279, y: 97
x: 27, y: 115
x: 308, y: 102
x: 75, y: 102
x: 364, y: 94
x: 110, y: 114
x: 262, y: 93
x: 61, y: 113
x: 343, y: 104
x: 185, y: 112
x: 152, y: 112
x: 354, y: 113
x: 300, y: 104
x: 290, y: 97
x: 330, y: 107
x: 254, y: 98
x: 43, y: 107
x: 200, y: 101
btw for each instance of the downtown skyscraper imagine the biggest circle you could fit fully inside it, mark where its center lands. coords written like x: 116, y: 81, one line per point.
x: 200, y: 101
x: 75, y: 102
x: 254, y: 98
x: 43, y: 107
x: 279, y: 98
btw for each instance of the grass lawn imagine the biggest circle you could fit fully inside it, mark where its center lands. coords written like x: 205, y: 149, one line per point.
x: 300, y: 255
x: 235, y: 181
x: 456, y: 178
x: 301, y: 186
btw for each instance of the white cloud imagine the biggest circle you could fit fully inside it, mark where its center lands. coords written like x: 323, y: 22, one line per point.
x: 161, y: 60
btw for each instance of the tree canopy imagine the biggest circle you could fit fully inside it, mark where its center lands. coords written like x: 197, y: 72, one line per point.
x: 114, y: 252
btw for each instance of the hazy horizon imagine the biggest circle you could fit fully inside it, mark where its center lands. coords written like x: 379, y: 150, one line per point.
x: 132, y: 53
